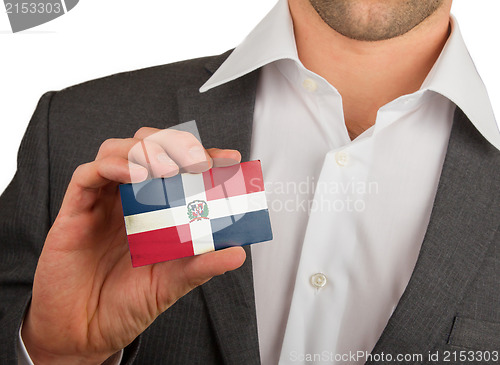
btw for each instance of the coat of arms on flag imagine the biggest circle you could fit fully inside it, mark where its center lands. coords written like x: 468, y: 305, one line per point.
x: 190, y: 214
x: 197, y: 210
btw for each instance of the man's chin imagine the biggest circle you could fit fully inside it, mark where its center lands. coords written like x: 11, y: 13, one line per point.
x: 372, y: 21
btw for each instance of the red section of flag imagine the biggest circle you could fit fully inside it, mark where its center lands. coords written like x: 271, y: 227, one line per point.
x: 160, y: 245
x: 224, y: 182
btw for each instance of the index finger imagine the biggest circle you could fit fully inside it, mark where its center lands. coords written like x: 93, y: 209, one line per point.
x: 187, y: 151
x: 182, y: 147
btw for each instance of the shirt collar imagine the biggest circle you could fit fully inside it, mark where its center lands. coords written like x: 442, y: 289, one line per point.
x: 453, y: 75
x: 271, y: 40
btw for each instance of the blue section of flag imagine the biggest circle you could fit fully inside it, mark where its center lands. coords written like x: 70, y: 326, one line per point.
x: 152, y: 195
x: 241, y: 229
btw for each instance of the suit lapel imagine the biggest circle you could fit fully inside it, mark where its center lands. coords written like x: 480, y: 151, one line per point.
x: 224, y: 117
x: 464, y: 219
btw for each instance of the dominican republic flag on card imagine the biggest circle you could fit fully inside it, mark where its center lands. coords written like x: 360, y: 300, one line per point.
x: 190, y: 214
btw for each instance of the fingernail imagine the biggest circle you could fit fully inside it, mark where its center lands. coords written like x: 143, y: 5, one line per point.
x: 198, y: 154
x: 223, y: 162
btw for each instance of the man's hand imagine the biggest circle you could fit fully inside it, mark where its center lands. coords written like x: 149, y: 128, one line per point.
x: 88, y: 302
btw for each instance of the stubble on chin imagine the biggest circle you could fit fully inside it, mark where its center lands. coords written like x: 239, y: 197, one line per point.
x: 368, y: 20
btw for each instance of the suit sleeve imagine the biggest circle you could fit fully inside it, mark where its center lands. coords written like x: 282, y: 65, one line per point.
x: 24, y: 223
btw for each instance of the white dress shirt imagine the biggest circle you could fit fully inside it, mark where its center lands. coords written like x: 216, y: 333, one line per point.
x: 348, y: 216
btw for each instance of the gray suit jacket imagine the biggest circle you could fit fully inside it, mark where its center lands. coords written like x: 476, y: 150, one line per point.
x: 451, y: 303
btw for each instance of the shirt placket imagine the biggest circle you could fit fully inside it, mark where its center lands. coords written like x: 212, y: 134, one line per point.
x: 330, y: 239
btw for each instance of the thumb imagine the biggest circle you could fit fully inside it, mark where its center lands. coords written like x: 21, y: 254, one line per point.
x: 188, y: 273
x: 222, y: 158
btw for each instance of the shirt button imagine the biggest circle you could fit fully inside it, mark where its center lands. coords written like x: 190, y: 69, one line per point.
x: 310, y: 85
x: 318, y: 280
x: 342, y: 158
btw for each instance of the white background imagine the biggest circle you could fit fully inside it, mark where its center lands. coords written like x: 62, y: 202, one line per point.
x: 98, y: 38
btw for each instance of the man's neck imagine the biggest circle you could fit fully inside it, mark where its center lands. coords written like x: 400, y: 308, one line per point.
x: 368, y: 75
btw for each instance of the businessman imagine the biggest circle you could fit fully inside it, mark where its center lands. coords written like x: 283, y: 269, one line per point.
x: 378, y: 101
